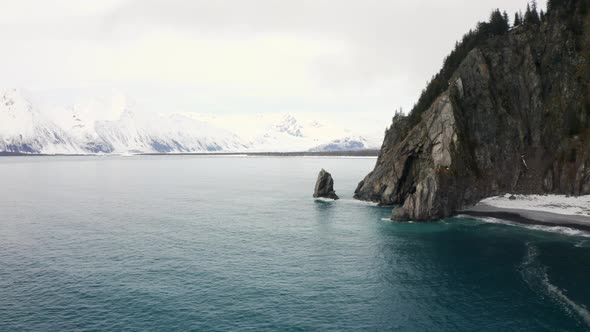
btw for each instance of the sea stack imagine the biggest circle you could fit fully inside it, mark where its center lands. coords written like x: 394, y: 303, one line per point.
x: 324, y: 186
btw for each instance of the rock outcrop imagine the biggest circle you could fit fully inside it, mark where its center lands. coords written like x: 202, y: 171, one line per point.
x: 515, y: 118
x: 324, y: 186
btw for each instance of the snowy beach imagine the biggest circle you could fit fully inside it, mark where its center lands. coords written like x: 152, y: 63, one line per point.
x: 546, y: 210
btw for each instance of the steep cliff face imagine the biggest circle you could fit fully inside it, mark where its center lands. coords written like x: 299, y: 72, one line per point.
x: 515, y: 118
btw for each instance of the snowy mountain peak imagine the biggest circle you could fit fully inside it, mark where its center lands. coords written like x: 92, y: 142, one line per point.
x: 23, y: 129
x: 315, y: 124
x: 289, y: 125
x: 12, y: 94
x: 16, y: 114
x: 344, y: 144
x: 12, y: 101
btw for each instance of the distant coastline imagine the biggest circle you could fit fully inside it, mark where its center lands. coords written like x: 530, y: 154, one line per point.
x: 356, y: 153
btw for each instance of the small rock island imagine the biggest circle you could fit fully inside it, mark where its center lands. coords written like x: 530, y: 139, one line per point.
x: 324, y: 186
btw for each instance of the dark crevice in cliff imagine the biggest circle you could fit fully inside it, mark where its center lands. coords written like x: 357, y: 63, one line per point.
x: 406, y: 187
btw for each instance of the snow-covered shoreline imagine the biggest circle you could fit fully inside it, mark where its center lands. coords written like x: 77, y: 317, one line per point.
x: 546, y: 210
x: 560, y: 204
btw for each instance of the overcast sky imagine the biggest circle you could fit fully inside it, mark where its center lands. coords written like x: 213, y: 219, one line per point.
x: 235, y: 56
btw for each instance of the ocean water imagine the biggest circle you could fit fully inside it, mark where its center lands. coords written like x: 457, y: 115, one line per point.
x: 189, y: 243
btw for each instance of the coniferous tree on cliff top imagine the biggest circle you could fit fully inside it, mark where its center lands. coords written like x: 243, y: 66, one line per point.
x: 531, y: 15
x: 498, y: 25
x: 517, y: 19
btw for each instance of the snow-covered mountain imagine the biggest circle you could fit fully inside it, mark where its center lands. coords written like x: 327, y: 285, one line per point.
x: 166, y: 134
x: 24, y: 129
x: 283, y: 132
x: 346, y: 144
x: 115, y: 127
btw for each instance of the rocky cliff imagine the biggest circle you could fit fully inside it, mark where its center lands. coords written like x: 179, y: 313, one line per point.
x: 515, y: 118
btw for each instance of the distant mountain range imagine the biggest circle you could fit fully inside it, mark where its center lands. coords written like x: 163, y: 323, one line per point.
x: 95, y: 128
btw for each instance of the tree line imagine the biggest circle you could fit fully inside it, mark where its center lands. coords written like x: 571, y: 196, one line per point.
x: 497, y: 25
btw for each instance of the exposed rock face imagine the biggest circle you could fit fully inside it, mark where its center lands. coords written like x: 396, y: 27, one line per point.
x: 324, y: 186
x: 515, y: 118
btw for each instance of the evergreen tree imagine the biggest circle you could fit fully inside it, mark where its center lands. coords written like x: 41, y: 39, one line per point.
x: 498, y: 24
x: 531, y: 16
x: 527, y: 14
x: 517, y: 19
x: 535, y: 11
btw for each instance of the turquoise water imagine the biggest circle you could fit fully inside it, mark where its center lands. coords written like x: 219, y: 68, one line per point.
x: 238, y: 244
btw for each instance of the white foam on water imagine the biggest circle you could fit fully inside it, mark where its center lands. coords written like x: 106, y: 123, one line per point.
x: 358, y: 202
x: 535, y: 275
x: 340, y: 157
x: 552, y: 229
x: 322, y: 199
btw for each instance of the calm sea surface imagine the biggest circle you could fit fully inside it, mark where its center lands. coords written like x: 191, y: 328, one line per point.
x: 192, y: 243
